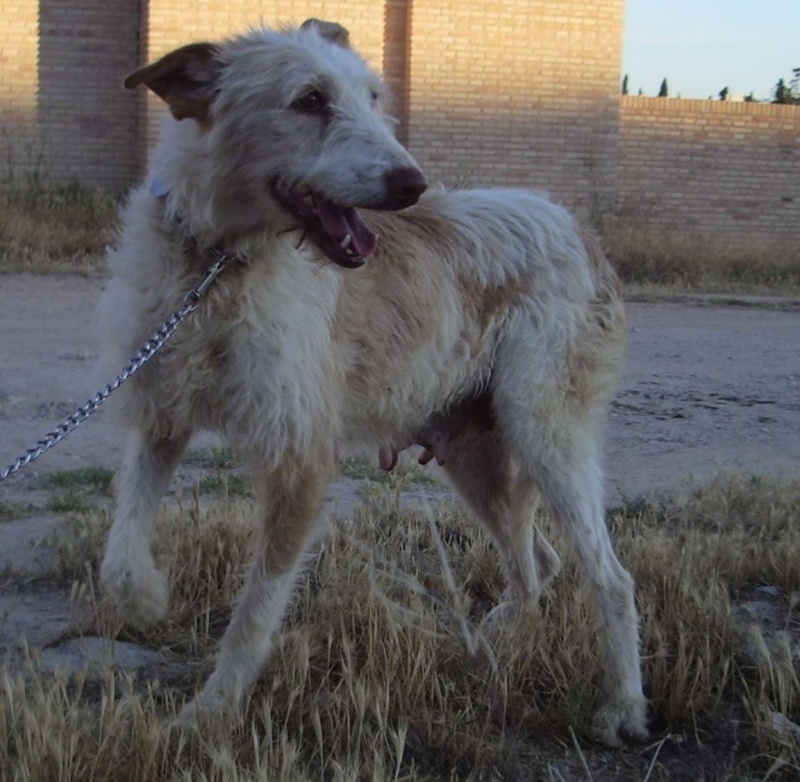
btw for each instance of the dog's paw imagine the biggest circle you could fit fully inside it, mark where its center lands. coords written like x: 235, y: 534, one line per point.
x: 547, y: 561
x: 616, y: 722
x: 138, y: 589
x: 214, y: 705
x: 189, y: 716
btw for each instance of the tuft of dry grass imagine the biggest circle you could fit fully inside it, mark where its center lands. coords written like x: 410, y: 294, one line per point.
x: 387, y: 668
x: 54, y: 228
x: 649, y: 257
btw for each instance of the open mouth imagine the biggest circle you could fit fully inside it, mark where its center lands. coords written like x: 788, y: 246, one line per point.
x: 338, y: 231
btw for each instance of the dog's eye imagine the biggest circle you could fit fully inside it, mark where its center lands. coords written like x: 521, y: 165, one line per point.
x: 313, y: 100
x: 374, y: 97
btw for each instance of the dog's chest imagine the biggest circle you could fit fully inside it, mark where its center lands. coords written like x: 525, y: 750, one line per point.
x: 257, y: 361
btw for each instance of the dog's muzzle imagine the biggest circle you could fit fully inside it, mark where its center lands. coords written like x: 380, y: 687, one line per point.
x: 339, y: 231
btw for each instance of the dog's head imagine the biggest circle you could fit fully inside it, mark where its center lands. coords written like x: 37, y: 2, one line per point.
x: 292, y: 122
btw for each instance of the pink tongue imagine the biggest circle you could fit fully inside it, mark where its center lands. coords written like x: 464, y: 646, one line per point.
x: 340, y: 222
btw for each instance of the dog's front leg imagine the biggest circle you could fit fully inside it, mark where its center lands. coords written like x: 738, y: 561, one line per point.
x: 128, y: 571
x: 291, y: 500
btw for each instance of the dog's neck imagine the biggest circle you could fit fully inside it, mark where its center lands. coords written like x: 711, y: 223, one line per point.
x: 197, y: 253
x: 244, y: 241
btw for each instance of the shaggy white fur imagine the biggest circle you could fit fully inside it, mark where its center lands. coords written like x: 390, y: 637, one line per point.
x: 485, y: 315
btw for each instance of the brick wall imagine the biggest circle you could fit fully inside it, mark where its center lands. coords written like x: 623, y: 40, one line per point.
x: 508, y: 92
x: 63, y: 110
x: 170, y: 25
x: 19, y: 43
x: 518, y: 92
x: 711, y: 166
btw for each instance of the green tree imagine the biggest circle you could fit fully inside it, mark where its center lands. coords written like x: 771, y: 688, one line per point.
x: 788, y: 93
x: 625, y: 84
x: 723, y: 93
x: 663, y: 91
x: 782, y: 94
x: 794, y: 85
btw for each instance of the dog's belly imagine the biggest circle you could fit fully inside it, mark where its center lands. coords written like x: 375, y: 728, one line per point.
x: 393, y: 408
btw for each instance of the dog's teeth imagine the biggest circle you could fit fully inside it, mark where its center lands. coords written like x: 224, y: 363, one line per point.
x: 346, y: 242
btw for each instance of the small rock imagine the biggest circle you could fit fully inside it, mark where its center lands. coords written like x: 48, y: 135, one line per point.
x: 781, y: 727
x: 760, y: 619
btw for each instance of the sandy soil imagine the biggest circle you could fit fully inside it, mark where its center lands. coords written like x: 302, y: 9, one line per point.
x: 708, y: 385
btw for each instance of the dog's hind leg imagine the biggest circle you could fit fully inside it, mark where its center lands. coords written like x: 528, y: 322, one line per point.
x: 291, y: 499
x: 481, y: 470
x: 128, y: 571
x: 573, y: 488
x: 559, y: 452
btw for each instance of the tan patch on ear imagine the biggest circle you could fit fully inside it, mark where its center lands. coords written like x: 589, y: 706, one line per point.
x: 184, y: 78
x: 331, y: 31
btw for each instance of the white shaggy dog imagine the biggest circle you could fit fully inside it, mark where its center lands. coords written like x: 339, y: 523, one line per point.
x: 480, y: 324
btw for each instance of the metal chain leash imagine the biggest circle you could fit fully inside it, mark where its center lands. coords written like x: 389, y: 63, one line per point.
x: 151, y: 347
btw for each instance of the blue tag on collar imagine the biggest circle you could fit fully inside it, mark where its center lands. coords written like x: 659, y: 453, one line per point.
x: 158, y: 187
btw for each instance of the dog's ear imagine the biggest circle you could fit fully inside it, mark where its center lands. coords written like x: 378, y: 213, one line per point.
x: 185, y: 79
x: 330, y: 31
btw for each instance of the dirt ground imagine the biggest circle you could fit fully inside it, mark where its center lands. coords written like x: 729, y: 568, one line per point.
x: 709, y: 384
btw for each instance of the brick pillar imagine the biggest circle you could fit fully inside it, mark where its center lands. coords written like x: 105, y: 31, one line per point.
x: 397, y: 61
x: 86, y: 120
x: 19, y: 31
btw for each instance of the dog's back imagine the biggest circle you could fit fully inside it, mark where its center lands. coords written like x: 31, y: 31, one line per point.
x: 452, y: 278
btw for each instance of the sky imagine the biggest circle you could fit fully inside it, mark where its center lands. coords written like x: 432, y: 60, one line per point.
x: 701, y: 46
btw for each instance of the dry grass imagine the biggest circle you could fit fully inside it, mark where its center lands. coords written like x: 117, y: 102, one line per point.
x: 407, y: 471
x: 385, y: 667
x: 48, y: 228
x: 649, y: 258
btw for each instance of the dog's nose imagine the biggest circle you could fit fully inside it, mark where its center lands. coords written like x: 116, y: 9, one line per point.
x: 404, y: 186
